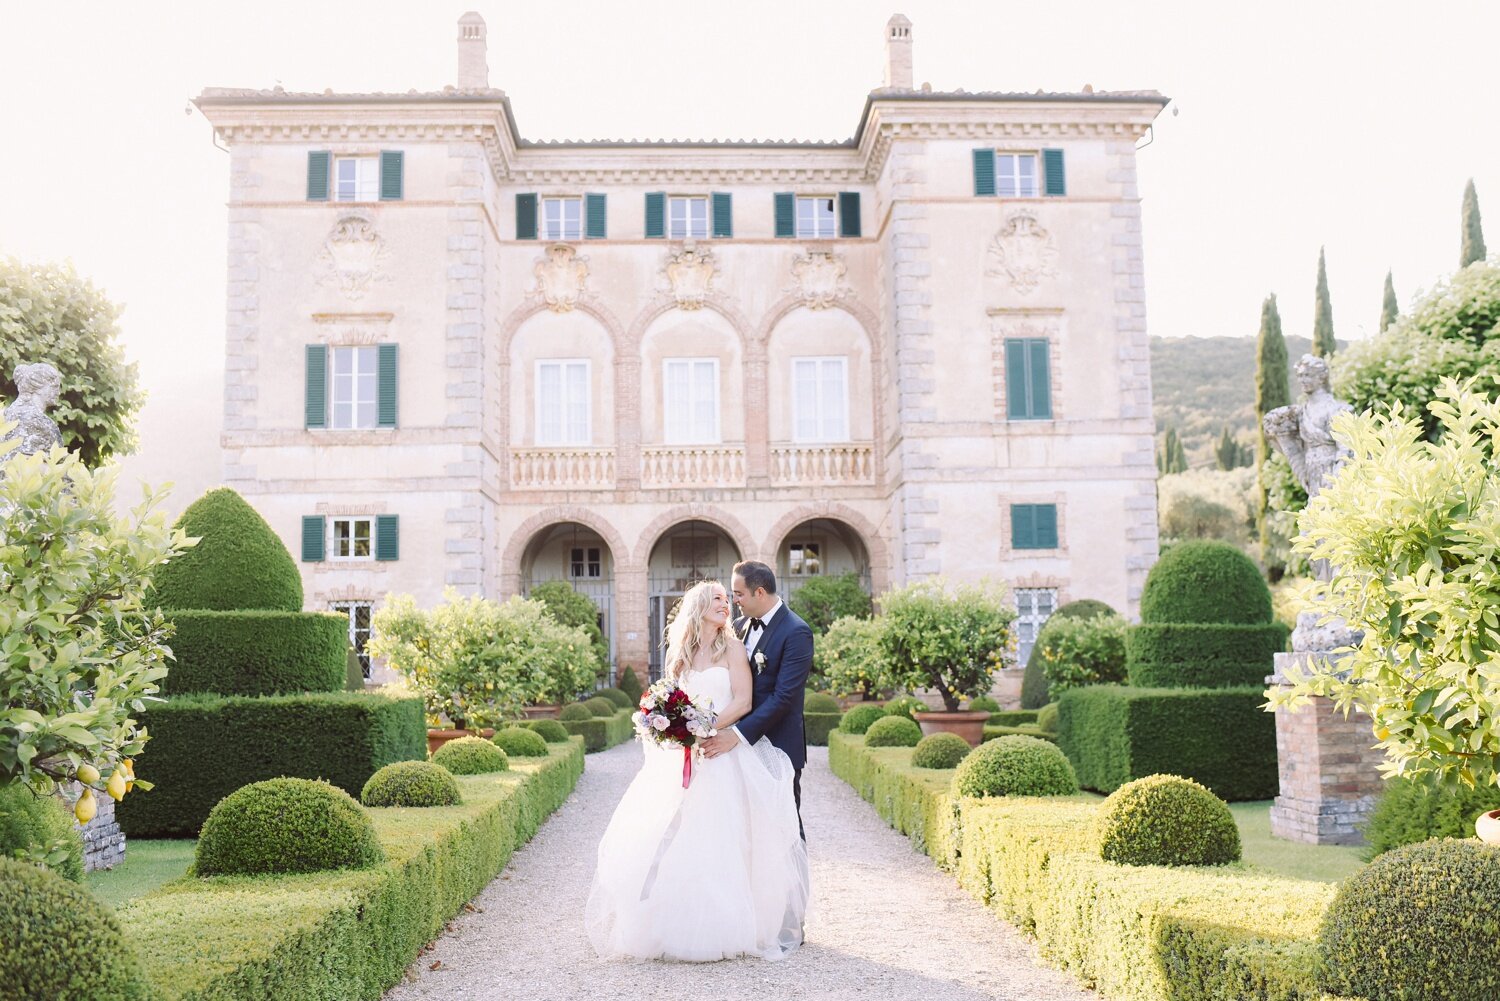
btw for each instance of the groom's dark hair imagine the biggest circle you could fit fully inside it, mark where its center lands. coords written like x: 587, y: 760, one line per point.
x: 756, y: 575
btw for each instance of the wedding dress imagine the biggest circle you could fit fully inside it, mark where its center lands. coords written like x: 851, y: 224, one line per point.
x: 713, y: 871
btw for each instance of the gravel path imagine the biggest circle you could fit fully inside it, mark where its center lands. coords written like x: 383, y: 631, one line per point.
x: 884, y: 923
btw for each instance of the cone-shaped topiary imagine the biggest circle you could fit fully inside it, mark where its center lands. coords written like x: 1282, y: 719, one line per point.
x: 940, y: 750
x: 1417, y: 924
x: 413, y: 783
x: 893, y: 731
x: 619, y: 698
x: 575, y: 712
x: 630, y: 685
x: 905, y: 706
x: 61, y: 942
x: 518, y: 742
x: 284, y: 826
x: 820, y: 702
x: 859, y: 717
x: 1166, y: 820
x: 29, y: 822
x: 550, y: 730
x: 474, y: 755
x: 1034, y: 681
x: 600, y: 706
x: 1046, y: 718
x: 1015, y: 765
x: 239, y: 562
x: 1205, y: 582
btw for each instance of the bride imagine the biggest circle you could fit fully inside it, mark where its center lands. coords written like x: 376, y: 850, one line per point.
x: 718, y: 869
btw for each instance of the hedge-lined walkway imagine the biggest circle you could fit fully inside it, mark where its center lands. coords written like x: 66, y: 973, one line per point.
x: 886, y: 923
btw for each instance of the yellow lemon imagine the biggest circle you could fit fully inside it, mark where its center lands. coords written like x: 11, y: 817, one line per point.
x: 130, y: 768
x: 86, y: 807
x: 116, y: 786
x: 88, y: 774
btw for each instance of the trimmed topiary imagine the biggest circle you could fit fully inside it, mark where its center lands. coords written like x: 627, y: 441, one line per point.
x: 1166, y: 820
x: 630, y: 685
x: 1046, y: 718
x: 61, y: 942
x: 905, y: 706
x: 1203, y: 582
x: 552, y: 731
x: 1408, y: 812
x: 413, y: 783
x: 258, y: 653
x: 1034, y: 681
x: 940, y: 750
x: 33, y: 823
x: 600, y: 706
x: 619, y: 698
x: 893, y: 731
x: 817, y: 726
x: 474, y: 756
x: 1015, y: 766
x: 285, y: 826
x: 575, y: 712
x: 238, y: 563
x: 859, y: 717
x: 1417, y: 924
x: 983, y: 704
x: 519, y: 742
x: 820, y: 702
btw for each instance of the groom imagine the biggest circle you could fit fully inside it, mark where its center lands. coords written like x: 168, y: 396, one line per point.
x: 780, y: 647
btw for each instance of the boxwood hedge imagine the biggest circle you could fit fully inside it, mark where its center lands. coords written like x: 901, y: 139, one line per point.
x: 600, y: 733
x: 257, y: 652
x: 1173, y: 655
x: 238, y: 563
x: 817, y: 726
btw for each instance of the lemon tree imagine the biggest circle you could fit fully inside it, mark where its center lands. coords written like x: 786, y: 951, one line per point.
x: 951, y: 639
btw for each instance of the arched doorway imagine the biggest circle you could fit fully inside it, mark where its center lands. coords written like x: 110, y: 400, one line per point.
x: 821, y: 547
x: 686, y: 553
x: 575, y: 553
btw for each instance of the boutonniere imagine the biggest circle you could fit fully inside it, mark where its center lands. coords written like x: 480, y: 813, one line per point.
x: 760, y: 662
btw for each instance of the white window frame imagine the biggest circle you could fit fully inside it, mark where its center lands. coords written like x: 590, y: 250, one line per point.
x: 1008, y: 172
x: 554, y: 217
x: 347, y: 608
x: 364, y: 186
x: 565, y: 436
x: 690, y: 435
x: 814, y: 230
x: 590, y: 560
x: 688, y: 227
x: 1023, y: 649
x: 348, y: 388
x: 821, y: 417
x: 353, y: 521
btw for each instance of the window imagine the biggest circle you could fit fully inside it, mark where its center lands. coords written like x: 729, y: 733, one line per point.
x: 584, y: 562
x: 562, y: 403
x: 1015, y: 175
x: 804, y: 558
x: 562, y: 218
x: 353, y: 539
x: 687, y: 218
x: 690, y: 396
x: 820, y: 399
x: 1033, y: 526
x: 815, y: 218
x: 356, y: 178
x: 355, y: 387
x: 360, y: 614
x: 1028, y: 379
x: 1034, y: 606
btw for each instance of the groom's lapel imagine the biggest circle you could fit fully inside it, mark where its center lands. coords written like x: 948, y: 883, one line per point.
x: 772, y: 630
x: 742, y: 627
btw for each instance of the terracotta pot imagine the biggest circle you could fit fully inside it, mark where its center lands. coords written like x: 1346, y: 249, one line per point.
x: 437, y: 738
x: 1488, y: 827
x: 542, y: 712
x: 968, y: 724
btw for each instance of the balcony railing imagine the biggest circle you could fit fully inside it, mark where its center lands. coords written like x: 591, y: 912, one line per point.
x: 853, y: 462
x: 664, y: 466
x: 562, y: 468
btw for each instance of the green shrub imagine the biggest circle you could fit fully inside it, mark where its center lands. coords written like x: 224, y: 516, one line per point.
x: 947, y: 637
x: 1046, y: 718
x: 983, y: 703
x: 1417, y: 924
x: 618, y: 698
x: 472, y: 756
x: 38, y: 827
x: 600, y: 707
x: 61, y: 942
x: 1167, y: 820
x: 518, y: 742
x: 939, y: 750
x: 1077, y: 652
x: 1202, y: 581
x: 1409, y: 811
x: 239, y: 562
x: 575, y: 711
x: 1170, y: 655
x: 820, y: 702
x: 551, y: 730
x: 575, y: 610
x: 600, y: 733
x: 893, y: 731
x: 1011, y: 717
x: 850, y: 659
x: 204, y: 747
x: 631, y: 685
x: 1015, y: 766
x: 1028, y: 730
x: 421, y: 783
x: 286, y: 826
x: 257, y: 652
x: 817, y: 726
x: 857, y: 718
x: 821, y: 600
x: 1034, y: 681
x: 906, y: 705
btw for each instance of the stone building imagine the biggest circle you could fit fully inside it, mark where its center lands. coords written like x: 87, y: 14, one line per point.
x: 458, y: 357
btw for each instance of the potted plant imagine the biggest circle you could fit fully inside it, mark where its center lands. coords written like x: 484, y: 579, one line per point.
x: 850, y: 660
x: 951, y: 640
x: 1488, y: 827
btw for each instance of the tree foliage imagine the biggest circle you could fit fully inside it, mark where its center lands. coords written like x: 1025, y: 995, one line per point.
x: 1231, y: 453
x: 1206, y: 504
x: 1390, y: 309
x: 1172, y: 458
x: 951, y: 639
x: 1471, y: 243
x: 1324, y: 343
x: 1272, y: 390
x: 572, y: 608
x: 823, y: 599
x: 1076, y: 652
x: 850, y: 658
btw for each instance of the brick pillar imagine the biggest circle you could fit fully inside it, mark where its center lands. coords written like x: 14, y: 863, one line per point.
x: 1329, y: 769
x: 632, y: 632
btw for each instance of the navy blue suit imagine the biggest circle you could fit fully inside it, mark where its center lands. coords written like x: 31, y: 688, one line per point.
x: 776, y: 698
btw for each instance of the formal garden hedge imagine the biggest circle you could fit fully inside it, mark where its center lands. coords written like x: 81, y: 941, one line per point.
x: 347, y: 934
x: 1202, y: 655
x: 257, y: 652
x: 600, y: 733
x: 817, y: 726
x: 239, y: 562
x: 204, y: 747
x: 1028, y: 730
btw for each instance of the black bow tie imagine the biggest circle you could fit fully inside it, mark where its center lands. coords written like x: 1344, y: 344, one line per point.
x: 755, y: 624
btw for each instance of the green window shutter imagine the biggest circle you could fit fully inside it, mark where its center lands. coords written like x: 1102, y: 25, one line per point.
x: 786, y: 214
x: 526, y: 216
x: 656, y: 215
x: 722, y: 205
x: 317, y: 385
x: 392, y: 182
x: 594, y: 217
x: 1023, y: 526
x: 318, y: 163
x: 1052, y: 171
x: 387, y: 537
x: 385, y: 395
x: 984, y: 172
x: 1041, y: 378
x: 1028, y: 379
x: 313, y: 534
x: 1016, y: 383
x: 849, y: 213
x: 1045, y: 521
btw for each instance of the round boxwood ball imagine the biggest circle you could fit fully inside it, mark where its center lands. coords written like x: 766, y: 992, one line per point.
x: 859, y: 718
x: 984, y: 704
x: 519, y: 742
x: 600, y: 706
x: 61, y: 942
x: 1417, y: 924
x: 940, y: 750
x: 238, y: 563
x: 1015, y: 765
x: 471, y: 756
x: 1046, y: 718
x: 893, y: 731
x: 575, y: 712
x: 1205, y: 582
x: 286, y: 825
x: 820, y: 702
x: 617, y: 697
x: 905, y: 706
x: 413, y: 783
x: 29, y: 821
x: 550, y: 730
x: 1167, y: 820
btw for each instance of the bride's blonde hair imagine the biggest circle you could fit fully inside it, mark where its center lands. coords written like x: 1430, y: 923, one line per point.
x: 685, y: 635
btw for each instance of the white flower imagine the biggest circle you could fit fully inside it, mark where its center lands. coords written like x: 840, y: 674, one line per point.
x: 760, y: 658
x: 660, y: 722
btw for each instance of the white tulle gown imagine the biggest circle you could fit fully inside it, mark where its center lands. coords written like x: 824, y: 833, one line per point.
x: 713, y: 871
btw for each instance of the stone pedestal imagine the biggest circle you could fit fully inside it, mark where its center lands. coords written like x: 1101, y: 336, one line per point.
x: 1329, y: 768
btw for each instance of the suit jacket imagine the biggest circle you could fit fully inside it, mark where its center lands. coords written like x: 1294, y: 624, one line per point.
x: 776, y: 700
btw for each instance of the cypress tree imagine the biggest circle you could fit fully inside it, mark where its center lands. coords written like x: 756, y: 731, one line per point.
x: 1390, y: 311
x: 1272, y: 389
x: 1472, y: 247
x: 1228, y: 453
x: 1181, y: 461
x: 1324, y: 344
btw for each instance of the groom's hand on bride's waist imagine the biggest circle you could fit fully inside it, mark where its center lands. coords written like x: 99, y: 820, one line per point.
x: 721, y: 742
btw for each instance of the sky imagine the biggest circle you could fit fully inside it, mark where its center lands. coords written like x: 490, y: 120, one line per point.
x: 1347, y: 124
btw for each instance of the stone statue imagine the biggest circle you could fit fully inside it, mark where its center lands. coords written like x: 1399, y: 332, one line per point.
x: 37, y: 388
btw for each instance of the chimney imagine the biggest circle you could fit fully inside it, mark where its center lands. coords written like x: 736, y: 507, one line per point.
x: 898, y: 53
x: 473, y: 68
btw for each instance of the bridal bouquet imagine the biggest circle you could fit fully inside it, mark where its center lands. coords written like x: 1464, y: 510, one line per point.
x: 669, y: 716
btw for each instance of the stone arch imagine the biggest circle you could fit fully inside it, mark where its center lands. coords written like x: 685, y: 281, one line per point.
x: 869, y: 533
x: 663, y: 305
x: 510, y: 560
x: 719, y: 518
x: 587, y: 305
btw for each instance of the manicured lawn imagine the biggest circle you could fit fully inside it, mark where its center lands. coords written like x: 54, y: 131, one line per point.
x: 1325, y: 863
x: 148, y: 864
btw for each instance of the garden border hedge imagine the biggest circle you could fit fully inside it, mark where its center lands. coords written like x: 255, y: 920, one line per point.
x: 1210, y: 655
x: 1012, y: 717
x: 602, y: 732
x: 257, y: 653
x: 1030, y: 730
x: 817, y: 726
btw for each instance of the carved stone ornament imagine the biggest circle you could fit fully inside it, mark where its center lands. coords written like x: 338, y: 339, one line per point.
x: 560, y: 277
x: 353, y: 256
x: 690, y: 275
x: 37, y: 388
x: 1023, y: 252
x: 819, y: 279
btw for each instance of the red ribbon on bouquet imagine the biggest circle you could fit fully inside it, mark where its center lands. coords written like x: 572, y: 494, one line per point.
x: 687, y: 764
